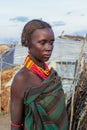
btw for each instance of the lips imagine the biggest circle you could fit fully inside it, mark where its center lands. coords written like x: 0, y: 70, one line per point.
x: 47, y: 56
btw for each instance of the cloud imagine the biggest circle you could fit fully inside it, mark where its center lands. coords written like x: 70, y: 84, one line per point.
x: 58, y: 23
x: 82, y: 14
x: 69, y: 13
x: 20, y: 19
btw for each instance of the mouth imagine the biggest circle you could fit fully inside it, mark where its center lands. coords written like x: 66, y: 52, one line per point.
x: 47, y: 56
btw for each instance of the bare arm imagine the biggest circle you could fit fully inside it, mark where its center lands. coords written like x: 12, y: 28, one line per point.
x: 16, y: 104
x: 21, y: 82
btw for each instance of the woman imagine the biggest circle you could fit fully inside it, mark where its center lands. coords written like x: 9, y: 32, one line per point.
x: 37, y: 97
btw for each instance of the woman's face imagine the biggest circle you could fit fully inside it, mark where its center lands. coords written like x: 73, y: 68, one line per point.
x: 41, y: 45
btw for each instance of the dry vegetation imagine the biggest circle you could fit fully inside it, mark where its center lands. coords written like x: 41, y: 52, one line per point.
x: 79, y: 121
x: 6, y: 76
x: 3, y: 48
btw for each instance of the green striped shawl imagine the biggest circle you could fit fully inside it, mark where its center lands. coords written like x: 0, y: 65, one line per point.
x: 45, y: 106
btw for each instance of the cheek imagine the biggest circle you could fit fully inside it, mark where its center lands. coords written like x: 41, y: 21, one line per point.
x: 37, y: 52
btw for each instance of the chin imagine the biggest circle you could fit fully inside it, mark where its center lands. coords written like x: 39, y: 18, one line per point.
x: 46, y: 59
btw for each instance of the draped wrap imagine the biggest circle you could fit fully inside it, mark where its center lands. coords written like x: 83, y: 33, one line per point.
x: 45, y: 105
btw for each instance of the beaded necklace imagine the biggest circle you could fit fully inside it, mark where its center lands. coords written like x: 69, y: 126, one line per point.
x: 30, y: 65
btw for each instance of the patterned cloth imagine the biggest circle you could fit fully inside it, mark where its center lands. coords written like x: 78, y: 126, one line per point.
x: 30, y: 65
x: 45, y: 106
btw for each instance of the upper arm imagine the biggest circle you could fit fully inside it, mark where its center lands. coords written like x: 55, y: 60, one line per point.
x: 16, y: 103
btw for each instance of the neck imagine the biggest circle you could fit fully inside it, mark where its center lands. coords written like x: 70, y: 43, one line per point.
x: 37, y: 62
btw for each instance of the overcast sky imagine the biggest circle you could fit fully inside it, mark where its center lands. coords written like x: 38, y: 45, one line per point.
x: 67, y: 15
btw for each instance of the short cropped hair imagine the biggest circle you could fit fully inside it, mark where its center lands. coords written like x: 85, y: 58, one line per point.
x: 29, y: 28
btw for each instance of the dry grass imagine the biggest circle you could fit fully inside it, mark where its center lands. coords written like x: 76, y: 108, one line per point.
x: 6, y: 75
x: 5, y: 100
x: 3, y: 48
x: 79, y: 121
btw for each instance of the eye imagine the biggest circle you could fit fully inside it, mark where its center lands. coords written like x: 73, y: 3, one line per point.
x: 43, y: 42
x: 51, y: 42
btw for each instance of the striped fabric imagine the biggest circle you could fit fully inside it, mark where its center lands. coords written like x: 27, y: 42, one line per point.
x: 45, y: 106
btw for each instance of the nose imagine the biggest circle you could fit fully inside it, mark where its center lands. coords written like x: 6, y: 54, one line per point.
x: 49, y: 47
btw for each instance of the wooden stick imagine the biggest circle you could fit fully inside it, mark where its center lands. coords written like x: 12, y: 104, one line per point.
x: 76, y: 76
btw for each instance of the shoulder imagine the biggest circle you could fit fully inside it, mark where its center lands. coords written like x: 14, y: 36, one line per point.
x: 19, y: 77
x: 19, y: 82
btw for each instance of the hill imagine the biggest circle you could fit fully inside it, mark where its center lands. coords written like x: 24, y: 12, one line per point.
x: 70, y: 37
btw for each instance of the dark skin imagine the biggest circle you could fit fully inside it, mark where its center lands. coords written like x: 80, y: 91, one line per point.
x: 41, y: 47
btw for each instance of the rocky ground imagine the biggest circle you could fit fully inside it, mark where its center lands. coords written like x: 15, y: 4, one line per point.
x: 5, y: 122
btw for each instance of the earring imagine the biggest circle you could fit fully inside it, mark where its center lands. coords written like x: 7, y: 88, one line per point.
x: 28, y: 51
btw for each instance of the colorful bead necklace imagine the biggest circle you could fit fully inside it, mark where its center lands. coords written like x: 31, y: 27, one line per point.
x: 30, y: 65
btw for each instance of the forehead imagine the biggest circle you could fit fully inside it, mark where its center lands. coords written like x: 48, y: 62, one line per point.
x: 43, y: 33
